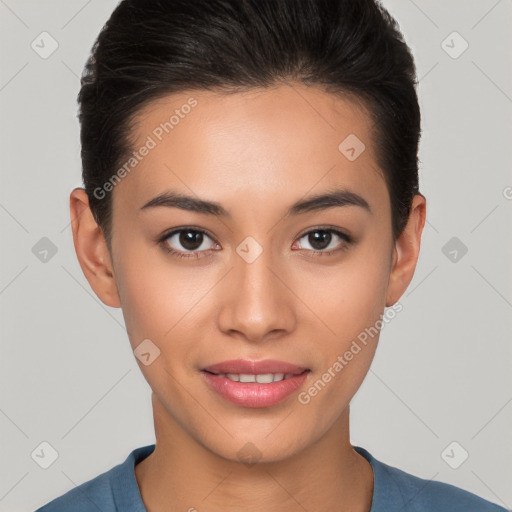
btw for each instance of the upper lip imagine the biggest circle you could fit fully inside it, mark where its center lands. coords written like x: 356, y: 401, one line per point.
x: 246, y: 366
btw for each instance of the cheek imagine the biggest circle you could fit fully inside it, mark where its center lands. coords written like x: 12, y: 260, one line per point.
x: 157, y: 298
x: 354, y: 306
x: 145, y: 294
x: 370, y: 277
x: 350, y: 300
x: 350, y: 296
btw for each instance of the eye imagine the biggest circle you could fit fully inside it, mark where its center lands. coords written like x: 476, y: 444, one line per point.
x: 190, y: 242
x: 186, y: 242
x: 321, y: 240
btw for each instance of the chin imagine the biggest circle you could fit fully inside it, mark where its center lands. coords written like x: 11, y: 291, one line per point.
x: 259, y: 447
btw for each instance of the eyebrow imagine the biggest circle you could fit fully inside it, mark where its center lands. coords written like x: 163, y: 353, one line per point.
x: 330, y: 199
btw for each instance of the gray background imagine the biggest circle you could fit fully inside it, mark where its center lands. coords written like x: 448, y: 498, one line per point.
x: 442, y: 372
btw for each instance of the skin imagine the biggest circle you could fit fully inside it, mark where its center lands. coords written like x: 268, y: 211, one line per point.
x: 255, y: 153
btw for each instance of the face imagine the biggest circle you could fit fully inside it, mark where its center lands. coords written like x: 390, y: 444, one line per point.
x: 264, y: 273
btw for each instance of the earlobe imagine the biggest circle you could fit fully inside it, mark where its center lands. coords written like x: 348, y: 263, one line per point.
x: 406, y: 251
x: 91, y: 249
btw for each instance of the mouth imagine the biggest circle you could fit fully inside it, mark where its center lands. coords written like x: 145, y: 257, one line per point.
x: 260, y: 378
x: 254, y: 383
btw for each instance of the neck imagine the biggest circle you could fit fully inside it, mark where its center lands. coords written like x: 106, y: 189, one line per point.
x: 182, y: 474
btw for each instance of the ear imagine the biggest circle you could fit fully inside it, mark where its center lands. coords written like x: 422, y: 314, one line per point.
x: 91, y: 249
x: 406, y: 251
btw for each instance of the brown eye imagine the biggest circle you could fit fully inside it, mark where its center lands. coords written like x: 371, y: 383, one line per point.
x: 325, y: 240
x: 190, y: 240
x: 187, y: 240
x: 319, y: 240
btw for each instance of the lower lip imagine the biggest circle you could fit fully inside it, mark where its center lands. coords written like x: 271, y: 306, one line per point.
x: 254, y: 394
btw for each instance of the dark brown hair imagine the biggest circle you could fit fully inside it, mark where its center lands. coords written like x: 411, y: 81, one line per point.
x: 148, y: 49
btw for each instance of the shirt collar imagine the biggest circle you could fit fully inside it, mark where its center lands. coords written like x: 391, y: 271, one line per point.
x: 124, y: 484
x: 386, y: 492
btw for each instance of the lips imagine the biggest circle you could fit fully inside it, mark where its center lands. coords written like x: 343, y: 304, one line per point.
x: 254, y: 383
x: 246, y: 366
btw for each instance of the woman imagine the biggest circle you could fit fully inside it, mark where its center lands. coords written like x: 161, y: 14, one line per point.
x: 251, y: 203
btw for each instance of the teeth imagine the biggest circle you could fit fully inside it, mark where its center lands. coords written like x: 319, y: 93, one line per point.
x: 264, y: 378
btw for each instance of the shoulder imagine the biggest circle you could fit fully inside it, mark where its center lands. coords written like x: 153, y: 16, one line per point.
x: 392, y: 487
x: 93, y: 494
x: 112, y: 490
x: 423, y: 495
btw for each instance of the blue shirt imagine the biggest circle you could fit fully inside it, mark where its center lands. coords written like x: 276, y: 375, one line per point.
x: 116, y: 490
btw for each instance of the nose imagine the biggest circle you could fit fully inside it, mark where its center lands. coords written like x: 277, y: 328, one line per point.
x: 256, y: 301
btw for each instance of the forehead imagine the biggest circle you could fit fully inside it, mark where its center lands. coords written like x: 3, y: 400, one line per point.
x: 269, y: 142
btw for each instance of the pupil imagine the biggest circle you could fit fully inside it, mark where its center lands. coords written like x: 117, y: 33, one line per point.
x: 323, y: 239
x: 191, y: 240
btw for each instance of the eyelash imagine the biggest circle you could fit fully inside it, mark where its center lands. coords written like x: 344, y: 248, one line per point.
x: 196, y: 254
